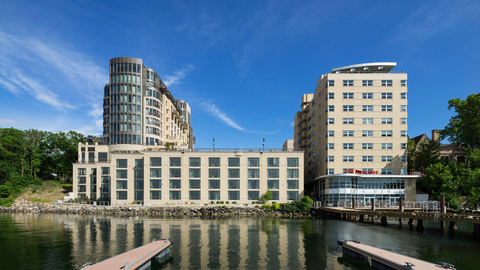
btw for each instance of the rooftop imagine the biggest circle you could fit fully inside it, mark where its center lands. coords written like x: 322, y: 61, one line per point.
x: 376, y: 67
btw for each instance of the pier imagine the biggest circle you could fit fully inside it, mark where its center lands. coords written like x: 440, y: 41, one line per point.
x: 383, y: 259
x: 135, y: 259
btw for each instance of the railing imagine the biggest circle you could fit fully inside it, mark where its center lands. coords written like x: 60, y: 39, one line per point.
x: 240, y: 149
x: 426, y: 206
x: 316, y: 204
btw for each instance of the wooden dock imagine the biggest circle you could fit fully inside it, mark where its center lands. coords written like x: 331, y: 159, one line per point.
x: 382, y: 259
x: 135, y: 259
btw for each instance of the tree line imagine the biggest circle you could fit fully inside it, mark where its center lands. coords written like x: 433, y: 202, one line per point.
x: 32, y: 156
x: 459, y: 182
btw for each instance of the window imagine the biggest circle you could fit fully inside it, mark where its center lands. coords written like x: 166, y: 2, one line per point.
x: 102, y: 157
x: 403, y: 121
x: 386, y: 82
x: 330, y: 171
x: 155, y: 195
x: 253, y: 162
x: 138, y: 195
x: 175, y: 194
x: 275, y: 196
x: 403, y: 133
x: 330, y: 133
x: 367, y: 108
x: 403, y: 108
x: 330, y: 96
x: 156, y: 173
x: 367, y: 133
x: 194, y: 162
x: 330, y: 83
x: 214, y: 162
x: 330, y: 121
x: 214, y: 173
x: 387, y: 158
x: 175, y: 162
x: 194, y: 194
x: 403, y: 159
x: 253, y: 195
x: 233, y: 184
x: 292, y: 162
x: 272, y: 184
x: 194, y: 184
x: 155, y: 161
x: 194, y: 173
x: 348, y: 108
x: 347, y: 82
x: 386, y: 121
x: 253, y: 184
x: 122, y: 174
x: 82, y: 171
x: 347, y: 95
x: 347, y: 146
x: 386, y: 133
x: 121, y: 184
x: 330, y: 146
x: 292, y: 195
x: 253, y: 173
x: 367, y: 146
x: 234, y: 195
x: 386, y: 108
x: 367, y: 158
x: 403, y: 83
x: 386, y: 95
x: 367, y: 121
x: 155, y: 183
x: 272, y: 162
x: 121, y: 163
x: 387, y: 146
x: 387, y: 171
x: 403, y: 171
x: 403, y: 146
x: 292, y: 173
x: 348, y: 133
x: 233, y: 162
x: 367, y: 83
x: 348, y: 121
x: 174, y: 184
x: 292, y: 184
x: 177, y: 173
x: 214, y: 195
x: 330, y: 159
x: 233, y: 173
x: 403, y: 95
x: 272, y: 173
x: 347, y: 158
x: 330, y: 108
x: 121, y: 195
x: 214, y: 184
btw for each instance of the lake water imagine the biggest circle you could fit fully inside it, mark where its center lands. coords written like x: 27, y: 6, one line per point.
x: 60, y: 241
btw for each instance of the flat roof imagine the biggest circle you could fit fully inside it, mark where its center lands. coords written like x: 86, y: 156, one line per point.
x: 374, y: 67
x: 368, y: 175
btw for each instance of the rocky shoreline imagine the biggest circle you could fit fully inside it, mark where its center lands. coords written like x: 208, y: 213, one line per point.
x: 24, y: 206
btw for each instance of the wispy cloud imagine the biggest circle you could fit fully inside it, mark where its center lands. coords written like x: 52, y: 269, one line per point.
x: 215, y: 111
x: 7, y: 122
x: 177, y: 75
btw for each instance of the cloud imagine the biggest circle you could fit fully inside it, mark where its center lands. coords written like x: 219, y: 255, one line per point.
x: 7, y: 122
x: 178, y: 75
x: 213, y: 109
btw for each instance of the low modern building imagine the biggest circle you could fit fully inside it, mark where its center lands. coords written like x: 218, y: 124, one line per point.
x: 153, y: 176
x: 353, y: 131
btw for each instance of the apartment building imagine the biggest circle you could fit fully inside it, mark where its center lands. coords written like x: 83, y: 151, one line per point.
x: 353, y: 131
x: 138, y: 108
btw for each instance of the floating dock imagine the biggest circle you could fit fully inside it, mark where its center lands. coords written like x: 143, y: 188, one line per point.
x: 135, y: 259
x: 386, y: 260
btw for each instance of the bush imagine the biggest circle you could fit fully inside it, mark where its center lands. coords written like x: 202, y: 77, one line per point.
x: 234, y: 202
x: 275, y: 206
x: 454, y: 204
x: 227, y: 202
x: 212, y: 202
x: 267, y: 206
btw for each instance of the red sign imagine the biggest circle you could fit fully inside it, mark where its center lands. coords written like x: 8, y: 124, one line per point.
x: 359, y: 171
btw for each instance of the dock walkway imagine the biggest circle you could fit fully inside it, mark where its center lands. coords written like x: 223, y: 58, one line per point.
x: 138, y: 258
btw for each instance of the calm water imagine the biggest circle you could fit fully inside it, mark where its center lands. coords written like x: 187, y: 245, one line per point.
x: 55, y: 241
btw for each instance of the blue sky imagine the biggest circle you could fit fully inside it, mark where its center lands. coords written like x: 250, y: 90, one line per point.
x: 242, y: 65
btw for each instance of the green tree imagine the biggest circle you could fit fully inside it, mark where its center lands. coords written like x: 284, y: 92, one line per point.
x: 427, y: 154
x: 267, y: 196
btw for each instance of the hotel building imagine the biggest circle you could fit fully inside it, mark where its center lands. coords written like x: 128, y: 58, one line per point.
x: 134, y: 163
x: 353, y: 131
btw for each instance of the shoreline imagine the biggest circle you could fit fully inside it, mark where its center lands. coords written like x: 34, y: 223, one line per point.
x: 25, y: 206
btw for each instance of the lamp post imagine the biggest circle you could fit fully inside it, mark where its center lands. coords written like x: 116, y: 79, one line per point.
x: 263, y: 144
x: 213, y: 144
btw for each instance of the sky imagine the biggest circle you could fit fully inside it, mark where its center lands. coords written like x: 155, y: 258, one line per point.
x: 243, y: 66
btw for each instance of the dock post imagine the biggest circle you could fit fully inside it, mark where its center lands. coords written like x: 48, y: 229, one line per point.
x: 410, y: 221
x: 476, y: 229
x: 400, y: 205
x: 373, y: 204
x: 384, y: 221
x: 452, y: 225
x: 373, y: 219
x: 353, y: 204
x: 400, y: 220
x: 361, y: 219
x: 442, y: 210
x: 420, y: 224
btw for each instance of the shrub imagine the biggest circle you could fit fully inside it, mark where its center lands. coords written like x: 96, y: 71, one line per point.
x: 212, y: 202
x: 267, y: 206
x: 227, y: 202
x: 276, y: 206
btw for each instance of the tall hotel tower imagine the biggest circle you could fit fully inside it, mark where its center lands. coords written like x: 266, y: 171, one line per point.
x: 138, y: 109
x: 353, y: 131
